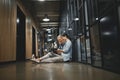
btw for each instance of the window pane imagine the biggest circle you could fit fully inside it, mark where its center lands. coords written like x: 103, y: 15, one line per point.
x: 96, y: 54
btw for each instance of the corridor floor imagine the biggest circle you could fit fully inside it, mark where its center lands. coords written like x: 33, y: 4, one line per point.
x: 53, y: 71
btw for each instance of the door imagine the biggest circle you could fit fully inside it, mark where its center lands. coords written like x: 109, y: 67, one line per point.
x: 33, y: 41
x: 20, y: 43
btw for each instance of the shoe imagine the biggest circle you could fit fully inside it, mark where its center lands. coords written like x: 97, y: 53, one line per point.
x: 32, y: 59
x: 37, y: 61
x: 33, y: 56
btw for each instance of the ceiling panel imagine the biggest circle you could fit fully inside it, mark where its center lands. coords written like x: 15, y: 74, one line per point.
x: 39, y: 8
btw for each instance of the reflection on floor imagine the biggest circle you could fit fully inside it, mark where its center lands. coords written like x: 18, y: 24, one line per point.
x: 53, y: 71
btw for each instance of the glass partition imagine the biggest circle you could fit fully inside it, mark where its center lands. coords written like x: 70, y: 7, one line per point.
x: 95, y: 42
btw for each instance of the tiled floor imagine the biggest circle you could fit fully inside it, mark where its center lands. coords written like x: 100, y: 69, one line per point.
x: 53, y: 71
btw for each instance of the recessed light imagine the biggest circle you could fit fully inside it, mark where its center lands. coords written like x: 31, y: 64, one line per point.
x: 41, y: 0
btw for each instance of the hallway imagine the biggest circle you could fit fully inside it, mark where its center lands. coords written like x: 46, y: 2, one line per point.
x: 53, y: 71
x: 31, y: 27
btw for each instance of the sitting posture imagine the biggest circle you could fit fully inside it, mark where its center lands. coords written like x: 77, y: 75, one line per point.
x: 63, y: 53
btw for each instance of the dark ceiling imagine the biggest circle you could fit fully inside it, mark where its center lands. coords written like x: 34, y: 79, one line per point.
x: 39, y: 8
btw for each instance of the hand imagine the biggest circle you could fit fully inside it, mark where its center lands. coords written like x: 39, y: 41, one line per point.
x: 59, y: 51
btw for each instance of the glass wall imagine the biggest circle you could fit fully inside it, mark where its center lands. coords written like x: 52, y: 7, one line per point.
x: 109, y: 40
x: 93, y: 26
x: 95, y: 45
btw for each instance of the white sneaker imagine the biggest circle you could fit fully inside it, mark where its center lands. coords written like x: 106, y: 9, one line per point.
x: 33, y: 56
x: 37, y: 61
x: 33, y: 59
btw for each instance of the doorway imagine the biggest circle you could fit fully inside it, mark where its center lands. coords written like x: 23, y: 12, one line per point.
x: 33, y: 41
x: 20, y: 39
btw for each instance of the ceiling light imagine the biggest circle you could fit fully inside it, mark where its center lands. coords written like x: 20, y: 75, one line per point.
x: 41, y: 0
x: 69, y: 29
x: 96, y: 19
x: 48, y: 29
x: 76, y: 19
x: 49, y: 35
x: 46, y: 19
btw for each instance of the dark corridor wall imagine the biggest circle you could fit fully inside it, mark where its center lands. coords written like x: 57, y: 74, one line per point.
x: 109, y: 31
x: 99, y: 21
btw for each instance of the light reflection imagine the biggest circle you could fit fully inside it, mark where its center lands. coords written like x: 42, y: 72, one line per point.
x: 69, y: 29
x: 103, y: 19
x: 18, y: 20
x: 107, y: 33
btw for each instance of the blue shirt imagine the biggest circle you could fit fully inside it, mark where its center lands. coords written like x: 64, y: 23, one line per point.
x: 67, y: 50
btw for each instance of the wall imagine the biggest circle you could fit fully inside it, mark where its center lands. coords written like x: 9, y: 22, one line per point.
x: 7, y: 30
x: 98, y: 22
x: 8, y: 15
x: 29, y: 24
x: 28, y: 38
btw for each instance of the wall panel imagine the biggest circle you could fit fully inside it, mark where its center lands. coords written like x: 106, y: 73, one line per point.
x: 28, y: 38
x: 8, y: 13
x: 29, y: 23
x: 7, y: 30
